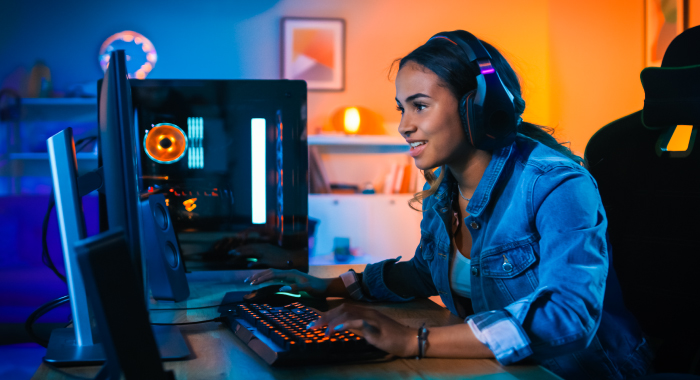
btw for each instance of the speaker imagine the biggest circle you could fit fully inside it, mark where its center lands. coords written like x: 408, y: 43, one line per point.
x: 166, y: 273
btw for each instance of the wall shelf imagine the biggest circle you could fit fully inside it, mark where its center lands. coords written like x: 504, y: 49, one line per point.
x: 78, y: 110
x: 359, y: 144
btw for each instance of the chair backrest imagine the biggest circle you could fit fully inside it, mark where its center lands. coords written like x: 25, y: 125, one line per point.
x: 652, y: 200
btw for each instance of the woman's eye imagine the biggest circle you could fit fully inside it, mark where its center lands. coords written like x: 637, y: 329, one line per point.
x: 419, y: 106
x: 399, y: 108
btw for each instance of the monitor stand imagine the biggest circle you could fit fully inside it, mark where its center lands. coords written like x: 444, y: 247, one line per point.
x: 79, y: 345
x: 62, y: 350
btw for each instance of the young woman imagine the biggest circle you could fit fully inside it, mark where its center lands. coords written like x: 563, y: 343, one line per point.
x: 513, y: 239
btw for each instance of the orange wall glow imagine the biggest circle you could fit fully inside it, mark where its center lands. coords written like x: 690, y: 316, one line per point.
x: 596, y: 55
x: 378, y: 32
x: 579, y: 62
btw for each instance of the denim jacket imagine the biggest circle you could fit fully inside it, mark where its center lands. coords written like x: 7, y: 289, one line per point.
x: 542, y: 285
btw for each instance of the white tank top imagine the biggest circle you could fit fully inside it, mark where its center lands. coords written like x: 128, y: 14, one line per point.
x: 460, y: 277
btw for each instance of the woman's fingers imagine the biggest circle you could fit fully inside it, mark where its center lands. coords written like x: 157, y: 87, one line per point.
x: 256, y: 276
x: 339, y: 316
x: 289, y: 276
x: 362, y: 325
x: 378, y: 329
x: 293, y: 278
x: 266, y: 275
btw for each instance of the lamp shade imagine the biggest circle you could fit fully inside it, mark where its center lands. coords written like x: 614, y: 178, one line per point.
x: 357, y: 120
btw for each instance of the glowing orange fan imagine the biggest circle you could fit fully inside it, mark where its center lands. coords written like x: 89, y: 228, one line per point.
x: 165, y: 143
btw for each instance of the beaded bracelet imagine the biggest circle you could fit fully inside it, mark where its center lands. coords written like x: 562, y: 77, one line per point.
x: 422, y: 341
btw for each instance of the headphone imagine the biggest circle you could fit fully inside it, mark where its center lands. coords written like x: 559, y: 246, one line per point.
x: 487, y: 113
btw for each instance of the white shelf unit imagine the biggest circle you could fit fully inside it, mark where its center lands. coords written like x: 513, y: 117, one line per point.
x: 380, y: 226
x: 359, y: 144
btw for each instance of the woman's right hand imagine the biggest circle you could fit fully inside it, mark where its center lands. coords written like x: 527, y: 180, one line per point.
x: 294, y: 279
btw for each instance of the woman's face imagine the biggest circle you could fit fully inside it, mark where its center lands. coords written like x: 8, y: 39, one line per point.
x: 430, y: 119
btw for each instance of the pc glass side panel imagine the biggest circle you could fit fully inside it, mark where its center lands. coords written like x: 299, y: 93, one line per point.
x: 230, y: 156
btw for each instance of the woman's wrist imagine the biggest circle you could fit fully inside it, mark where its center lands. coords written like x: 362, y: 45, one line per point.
x: 411, y: 343
x: 335, y: 287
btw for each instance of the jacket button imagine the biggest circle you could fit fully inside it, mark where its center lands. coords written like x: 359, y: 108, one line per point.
x: 474, y: 225
x: 507, y: 267
x: 475, y: 271
x: 444, y: 209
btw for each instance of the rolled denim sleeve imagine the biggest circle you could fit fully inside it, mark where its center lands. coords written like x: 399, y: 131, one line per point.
x: 391, y: 280
x: 562, y: 315
x: 394, y: 281
x: 502, y: 335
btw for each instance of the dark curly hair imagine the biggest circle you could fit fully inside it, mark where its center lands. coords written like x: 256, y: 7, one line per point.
x: 457, y: 74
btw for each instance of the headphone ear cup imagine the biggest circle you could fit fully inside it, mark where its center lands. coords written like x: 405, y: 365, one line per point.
x: 467, y: 116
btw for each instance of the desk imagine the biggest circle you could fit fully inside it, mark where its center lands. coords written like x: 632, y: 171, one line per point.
x: 218, y: 354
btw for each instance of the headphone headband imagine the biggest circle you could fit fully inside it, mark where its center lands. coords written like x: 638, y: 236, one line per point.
x: 488, y: 115
x: 471, y: 45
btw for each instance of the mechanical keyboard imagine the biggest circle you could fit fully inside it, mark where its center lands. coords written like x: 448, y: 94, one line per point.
x: 279, y: 336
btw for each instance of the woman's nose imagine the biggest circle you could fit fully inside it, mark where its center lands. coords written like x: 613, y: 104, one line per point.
x: 406, y: 128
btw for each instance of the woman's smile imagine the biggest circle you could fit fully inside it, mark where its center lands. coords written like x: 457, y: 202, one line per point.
x: 417, y: 147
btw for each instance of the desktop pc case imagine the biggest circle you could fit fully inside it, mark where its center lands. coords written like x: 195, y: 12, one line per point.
x: 230, y: 158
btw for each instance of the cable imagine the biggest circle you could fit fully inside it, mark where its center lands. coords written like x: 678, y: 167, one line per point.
x: 218, y: 319
x: 36, y: 314
x: 45, y: 257
x: 199, y: 307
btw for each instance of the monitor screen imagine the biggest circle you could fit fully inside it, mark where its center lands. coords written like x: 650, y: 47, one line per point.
x: 230, y: 156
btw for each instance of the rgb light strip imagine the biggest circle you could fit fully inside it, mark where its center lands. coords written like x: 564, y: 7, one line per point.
x: 258, y: 168
x: 195, y: 133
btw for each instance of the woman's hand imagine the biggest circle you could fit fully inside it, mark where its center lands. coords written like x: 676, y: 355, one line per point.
x: 294, y: 279
x: 378, y: 329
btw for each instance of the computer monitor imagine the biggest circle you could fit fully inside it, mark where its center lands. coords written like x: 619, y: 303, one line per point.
x: 231, y: 158
x: 117, y: 156
x: 113, y: 290
x: 118, y: 181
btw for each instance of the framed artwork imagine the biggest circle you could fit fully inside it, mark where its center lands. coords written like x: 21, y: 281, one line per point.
x: 665, y: 19
x: 313, y: 49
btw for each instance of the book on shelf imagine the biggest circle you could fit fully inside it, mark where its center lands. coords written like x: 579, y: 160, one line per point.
x: 318, y: 178
x: 390, y: 179
x: 398, y: 180
x: 406, y: 180
x: 412, y: 180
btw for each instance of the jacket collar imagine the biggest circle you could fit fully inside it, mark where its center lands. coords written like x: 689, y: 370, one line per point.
x: 482, y: 194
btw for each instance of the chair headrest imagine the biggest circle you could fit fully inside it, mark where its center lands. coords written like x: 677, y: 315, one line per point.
x: 672, y: 91
x: 671, y: 96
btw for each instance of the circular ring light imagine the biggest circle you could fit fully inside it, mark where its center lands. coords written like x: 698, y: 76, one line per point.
x: 165, y: 143
x: 141, y: 56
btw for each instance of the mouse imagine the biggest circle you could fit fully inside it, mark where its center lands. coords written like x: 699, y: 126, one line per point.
x: 261, y: 295
x: 272, y: 296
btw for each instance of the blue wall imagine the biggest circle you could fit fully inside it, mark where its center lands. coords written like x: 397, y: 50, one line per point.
x: 194, y: 39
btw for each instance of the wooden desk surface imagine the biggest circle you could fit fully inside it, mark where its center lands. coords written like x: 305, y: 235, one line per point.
x: 217, y: 354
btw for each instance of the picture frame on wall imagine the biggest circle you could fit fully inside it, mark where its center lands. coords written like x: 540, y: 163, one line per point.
x: 313, y: 49
x: 664, y: 20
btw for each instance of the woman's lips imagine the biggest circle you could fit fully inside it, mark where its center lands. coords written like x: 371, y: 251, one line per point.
x: 414, y: 152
